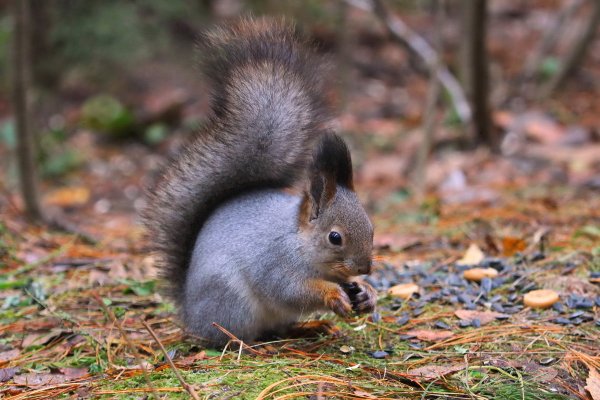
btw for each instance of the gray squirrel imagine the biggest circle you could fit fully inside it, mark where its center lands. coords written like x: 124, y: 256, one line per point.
x: 235, y: 245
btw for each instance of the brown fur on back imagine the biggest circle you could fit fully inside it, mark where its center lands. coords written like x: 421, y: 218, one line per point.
x: 267, y: 113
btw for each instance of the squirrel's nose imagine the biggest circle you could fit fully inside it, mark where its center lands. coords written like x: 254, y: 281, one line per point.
x: 365, y: 268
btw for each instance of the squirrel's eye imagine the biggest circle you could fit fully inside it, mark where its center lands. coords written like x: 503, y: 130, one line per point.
x: 335, y: 238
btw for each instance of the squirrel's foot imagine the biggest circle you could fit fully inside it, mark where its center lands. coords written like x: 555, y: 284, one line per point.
x: 362, y: 296
x: 338, y: 301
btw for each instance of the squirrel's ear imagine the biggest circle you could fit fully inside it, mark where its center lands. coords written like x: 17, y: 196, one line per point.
x: 331, y: 166
x: 332, y: 159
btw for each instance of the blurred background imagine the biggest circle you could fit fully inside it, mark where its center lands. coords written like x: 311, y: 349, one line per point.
x: 444, y: 102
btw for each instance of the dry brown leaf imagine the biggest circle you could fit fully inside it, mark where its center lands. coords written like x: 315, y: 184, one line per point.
x: 68, y: 197
x: 7, y: 373
x: 512, y: 245
x: 473, y: 256
x: 485, y: 317
x: 593, y: 384
x: 40, y: 338
x: 34, y: 379
x: 73, y: 373
x: 9, y: 355
x: 430, y: 336
x: 435, y: 371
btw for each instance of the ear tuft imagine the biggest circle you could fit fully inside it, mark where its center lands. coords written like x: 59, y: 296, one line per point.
x: 332, y: 159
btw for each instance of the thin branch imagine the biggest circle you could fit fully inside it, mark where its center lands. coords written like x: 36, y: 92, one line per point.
x: 233, y: 338
x: 429, y: 119
x: 184, y: 384
x: 577, y: 53
x: 403, y: 34
x: 549, y: 39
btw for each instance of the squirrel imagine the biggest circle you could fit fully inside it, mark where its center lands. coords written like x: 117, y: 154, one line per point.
x: 235, y: 245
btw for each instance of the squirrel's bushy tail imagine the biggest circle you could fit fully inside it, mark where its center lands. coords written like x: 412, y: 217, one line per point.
x: 267, y: 112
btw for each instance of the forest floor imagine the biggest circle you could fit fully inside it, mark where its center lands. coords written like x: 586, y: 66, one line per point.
x: 87, y: 320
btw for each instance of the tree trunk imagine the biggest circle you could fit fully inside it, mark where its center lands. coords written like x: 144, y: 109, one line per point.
x: 22, y: 109
x: 476, y: 71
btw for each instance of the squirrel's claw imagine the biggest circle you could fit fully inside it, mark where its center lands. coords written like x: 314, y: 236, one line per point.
x: 365, y: 300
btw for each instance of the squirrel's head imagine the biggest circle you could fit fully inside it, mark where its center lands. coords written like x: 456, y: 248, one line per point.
x: 332, y: 219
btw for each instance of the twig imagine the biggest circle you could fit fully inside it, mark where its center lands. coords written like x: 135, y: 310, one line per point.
x: 58, y: 222
x: 186, y: 386
x: 549, y: 39
x: 235, y: 339
x: 433, y: 94
x: 577, y: 53
x: 112, y: 316
x: 407, y: 37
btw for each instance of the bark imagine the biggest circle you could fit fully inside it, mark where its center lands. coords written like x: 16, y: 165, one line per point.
x: 22, y: 107
x: 476, y: 71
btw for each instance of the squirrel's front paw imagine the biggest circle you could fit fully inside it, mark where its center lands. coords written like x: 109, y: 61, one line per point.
x: 362, y: 296
x: 338, y: 301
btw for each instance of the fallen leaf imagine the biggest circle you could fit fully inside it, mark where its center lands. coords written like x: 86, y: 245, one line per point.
x: 68, y: 197
x: 40, y: 338
x: 593, y: 384
x: 435, y: 371
x: 430, y: 336
x: 9, y: 355
x: 473, y: 256
x: 34, y: 379
x: 73, y: 373
x: 191, y: 359
x: 7, y: 373
x: 512, y: 245
x: 485, y: 317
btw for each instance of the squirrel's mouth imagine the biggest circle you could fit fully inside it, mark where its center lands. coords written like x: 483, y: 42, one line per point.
x: 342, y: 271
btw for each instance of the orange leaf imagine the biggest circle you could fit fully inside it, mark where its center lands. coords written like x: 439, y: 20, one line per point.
x: 512, y: 245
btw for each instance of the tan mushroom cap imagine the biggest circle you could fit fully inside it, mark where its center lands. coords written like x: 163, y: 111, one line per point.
x: 403, y: 290
x: 477, y: 274
x: 542, y: 298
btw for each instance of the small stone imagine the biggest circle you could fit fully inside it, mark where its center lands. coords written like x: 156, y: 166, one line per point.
x: 379, y: 354
x: 375, y: 317
x: 418, y: 311
x: 562, y: 321
x: 547, y: 361
x: 576, y: 314
x: 537, y: 256
x: 584, y: 303
x: 476, y: 323
x: 441, y: 325
x: 416, y: 346
x: 403, y: 320
x: 498, y: 307
x: 347, y: 349
x: 559, y: 307
x: 486, y: 285
x: 463, y: 323
x: 513, y: 297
